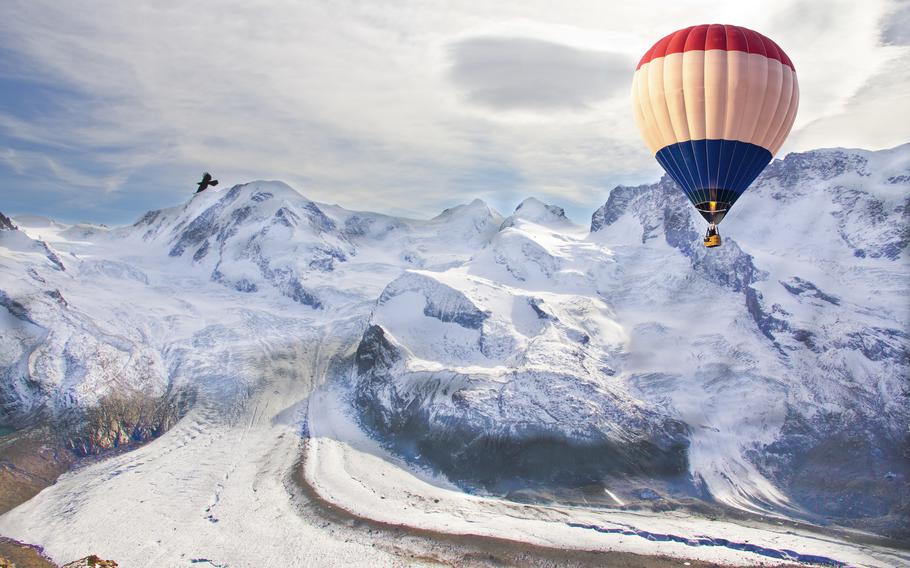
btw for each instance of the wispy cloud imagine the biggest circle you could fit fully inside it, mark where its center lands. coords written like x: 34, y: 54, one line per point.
x: 402, y: 107
x: 514, y: 73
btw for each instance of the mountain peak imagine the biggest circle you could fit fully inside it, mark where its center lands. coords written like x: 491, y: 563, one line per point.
x: 477, y: 205
x: 536, y: 211
x: 276, y: 188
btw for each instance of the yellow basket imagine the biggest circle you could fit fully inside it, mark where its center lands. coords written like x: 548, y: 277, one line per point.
x: 712, y: 241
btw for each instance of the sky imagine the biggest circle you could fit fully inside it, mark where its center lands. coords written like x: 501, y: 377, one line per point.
x: 110, y: 108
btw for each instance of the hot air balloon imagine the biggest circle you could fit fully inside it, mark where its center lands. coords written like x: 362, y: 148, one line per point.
x: 714, y: 103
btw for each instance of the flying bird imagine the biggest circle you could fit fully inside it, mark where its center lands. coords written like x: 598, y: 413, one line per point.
x: 206, y: 182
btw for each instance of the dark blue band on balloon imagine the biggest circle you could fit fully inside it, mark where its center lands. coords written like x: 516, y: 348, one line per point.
x: 713, y: 170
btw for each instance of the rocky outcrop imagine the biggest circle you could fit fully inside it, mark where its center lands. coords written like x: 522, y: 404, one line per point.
x: 55, y: 344
x: 439, y: 301
x: 6, y: 224
x: 91, y: 561
x: 122, y: 419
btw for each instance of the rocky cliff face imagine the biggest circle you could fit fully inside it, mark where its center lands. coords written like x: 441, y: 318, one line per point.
x: 6, y: 224
x: 121, y: 419
x: 486, y: 430
x: 91, y: 561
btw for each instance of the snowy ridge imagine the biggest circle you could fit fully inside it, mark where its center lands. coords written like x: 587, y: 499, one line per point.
x: 268, y: 233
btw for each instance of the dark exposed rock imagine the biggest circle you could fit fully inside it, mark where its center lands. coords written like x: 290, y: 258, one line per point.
x: 122, y: 419
x: 324, y: 258
x: 647, y: 494
x: 6, y: 224
x: 15, y: 308
x: 799, y: 287
x: 148, y: 218
x: 441, y: 302
x: 617, y: 204
x: 536, y: 304
x: 201, y: 252
x: 824, y: 165
x: 34, y: 274
x: 881, y: 344
x: 503, y: 456
x: 52, y: 256
x: 663, y: 207
x: 91, y: 561
x: 843, y: 470
x: 286, y: 217
x: 238, y: 216
x: 838, y: 465
x: 470, y: 318
x: 199, y: 230
x: 766, y: 322
x: 57, y: 297
x: 375, y: 353
x: 241, y: 285
x: 318, y: 219
x: 357, y: 226
x: 295, y: 291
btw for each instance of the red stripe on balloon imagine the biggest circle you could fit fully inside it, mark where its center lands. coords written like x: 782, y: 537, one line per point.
x: 716, y: 36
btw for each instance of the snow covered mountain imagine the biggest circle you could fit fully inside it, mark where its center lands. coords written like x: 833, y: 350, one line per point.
x: 771, y: 373
x: 525, y: 351
x: 266, y: 233
x: 796, y: 353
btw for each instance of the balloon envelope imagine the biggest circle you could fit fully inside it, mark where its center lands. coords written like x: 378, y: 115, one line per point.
x: 714, y: 103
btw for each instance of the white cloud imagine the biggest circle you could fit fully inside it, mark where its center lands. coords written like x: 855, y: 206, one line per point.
x: 517, y: 73
x: 383, y: 106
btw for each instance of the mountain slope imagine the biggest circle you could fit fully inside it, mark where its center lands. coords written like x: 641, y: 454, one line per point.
x: 783, y: 356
